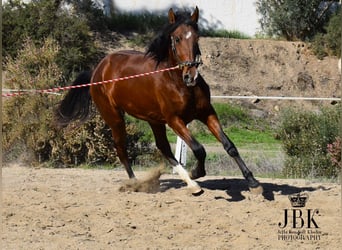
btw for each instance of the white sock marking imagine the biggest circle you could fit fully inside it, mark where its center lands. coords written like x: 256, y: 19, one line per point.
x: 185, y: 176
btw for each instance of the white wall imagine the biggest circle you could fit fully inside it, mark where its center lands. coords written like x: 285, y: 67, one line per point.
x: 223, y: 14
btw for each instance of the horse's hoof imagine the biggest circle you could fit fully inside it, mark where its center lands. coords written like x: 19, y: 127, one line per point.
x: 196, y: 173
x: 196, y: 190
x: 256, y: 190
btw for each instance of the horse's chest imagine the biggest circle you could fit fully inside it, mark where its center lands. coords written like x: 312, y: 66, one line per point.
x: 184, y: 103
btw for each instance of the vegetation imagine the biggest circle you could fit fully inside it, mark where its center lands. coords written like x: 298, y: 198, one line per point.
x: 293, y: 19
x: 329, y: 42
x: 25, y: 119
x: 224, y: 33
x: 28, y: 129
x: 310, y: 142
x: 38, y: 20
x: 141, y: 23
x: 311, y: 20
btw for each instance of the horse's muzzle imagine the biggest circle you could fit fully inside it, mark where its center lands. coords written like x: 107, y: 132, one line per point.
x: 189, y: 79
x: 190, y: 72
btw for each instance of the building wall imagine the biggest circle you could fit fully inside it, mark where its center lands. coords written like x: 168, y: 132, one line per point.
x: 231, y: 15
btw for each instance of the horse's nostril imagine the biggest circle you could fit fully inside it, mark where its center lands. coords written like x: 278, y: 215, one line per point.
x: 189, y: 80
x: 186, y: 77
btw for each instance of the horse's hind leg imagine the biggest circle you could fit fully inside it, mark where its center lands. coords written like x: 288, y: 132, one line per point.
x: 115, y: 120
x: 159, y: 132
x: 120, y: 137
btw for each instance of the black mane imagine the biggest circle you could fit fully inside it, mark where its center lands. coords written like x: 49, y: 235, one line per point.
x: 159, y: 47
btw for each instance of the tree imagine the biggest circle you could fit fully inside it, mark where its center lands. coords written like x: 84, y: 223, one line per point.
x: 329, y: 42
x: 40, y: 19
x: 293, y: 19
x: 91, y: 12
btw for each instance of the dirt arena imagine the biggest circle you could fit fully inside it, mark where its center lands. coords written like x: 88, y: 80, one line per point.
x: 87, y: 209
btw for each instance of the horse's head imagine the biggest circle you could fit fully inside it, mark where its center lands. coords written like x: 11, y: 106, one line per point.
x: 184, y: 45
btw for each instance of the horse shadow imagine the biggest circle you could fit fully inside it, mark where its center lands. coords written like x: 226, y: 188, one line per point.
x: 235, y: 188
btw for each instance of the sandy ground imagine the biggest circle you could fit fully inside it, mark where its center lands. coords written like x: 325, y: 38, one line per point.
x: 84, y: 209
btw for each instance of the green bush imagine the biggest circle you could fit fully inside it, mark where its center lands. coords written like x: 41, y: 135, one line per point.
x: 305, y: 136
x: 293, y: 19
x: 41, y: 19
x: 143, y: 22
x: 329, y: 43
x: 89, y: 11
x: 224, y: 33
x: 335, y: 154
x: 29, y: 134
x: 25, y: 118
x: 91, y: 144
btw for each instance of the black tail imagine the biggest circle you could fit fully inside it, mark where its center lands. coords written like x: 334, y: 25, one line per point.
x: 77, y: 103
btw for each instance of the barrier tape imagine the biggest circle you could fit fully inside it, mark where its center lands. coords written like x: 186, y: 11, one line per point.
x: 57, y: 89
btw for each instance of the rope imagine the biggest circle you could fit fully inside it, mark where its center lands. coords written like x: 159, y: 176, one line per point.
x: 280, y: 98
x: 57, y: 89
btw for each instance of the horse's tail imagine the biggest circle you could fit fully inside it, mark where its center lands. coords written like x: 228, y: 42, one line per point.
x: 77, y: 104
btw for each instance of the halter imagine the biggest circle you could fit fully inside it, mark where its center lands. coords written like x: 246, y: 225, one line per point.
x: 196, y: 63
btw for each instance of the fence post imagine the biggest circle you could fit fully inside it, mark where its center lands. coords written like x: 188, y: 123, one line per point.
x: 181, y: 149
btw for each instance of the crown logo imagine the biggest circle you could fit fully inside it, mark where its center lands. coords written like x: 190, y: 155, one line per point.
x: 298, y: 200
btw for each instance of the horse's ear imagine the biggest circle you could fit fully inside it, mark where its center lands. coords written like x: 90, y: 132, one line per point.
x: 194, y: 16
x: 172, y: 16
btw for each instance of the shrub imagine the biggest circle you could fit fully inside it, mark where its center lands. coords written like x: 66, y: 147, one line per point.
x: 92, y: 144
x: 224, y: 33
x: 293, y: 19
x: 91, y: 12
x: 143, y: 22
x: 305, y: 136
x: 334, y: 151
x: 28, y: 131
x: 319, y: 46
x: 25, y: 118
x: 329, y: 42
x: 41, y: 19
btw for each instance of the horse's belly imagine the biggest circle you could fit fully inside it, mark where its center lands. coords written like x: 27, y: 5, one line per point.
x: 139, y: 105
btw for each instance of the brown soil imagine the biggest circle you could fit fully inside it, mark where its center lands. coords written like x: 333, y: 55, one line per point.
x: 85, y: 209
x: 268, y: 68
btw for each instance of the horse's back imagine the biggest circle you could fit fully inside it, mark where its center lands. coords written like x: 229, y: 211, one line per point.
x: 122, y: 63
x: 154, y: 97
x: 137, y: 96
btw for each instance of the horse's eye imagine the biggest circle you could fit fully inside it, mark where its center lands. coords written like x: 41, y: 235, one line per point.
x: 177, y: 39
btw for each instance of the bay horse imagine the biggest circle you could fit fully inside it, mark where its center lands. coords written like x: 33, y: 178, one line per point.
x: 174, y: 98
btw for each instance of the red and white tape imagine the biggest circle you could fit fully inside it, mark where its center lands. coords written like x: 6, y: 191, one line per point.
x: 57, y: 89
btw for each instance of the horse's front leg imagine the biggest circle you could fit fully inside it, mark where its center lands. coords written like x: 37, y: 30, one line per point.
x: 215, y: 127
x: 182, y: 131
